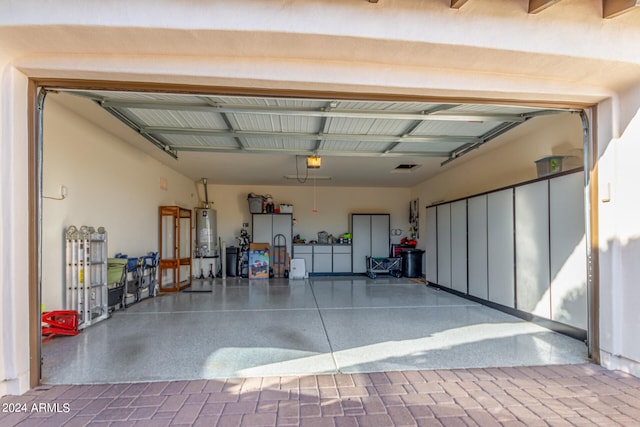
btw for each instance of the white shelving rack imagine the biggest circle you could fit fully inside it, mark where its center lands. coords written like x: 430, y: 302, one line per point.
x: 86, y: 274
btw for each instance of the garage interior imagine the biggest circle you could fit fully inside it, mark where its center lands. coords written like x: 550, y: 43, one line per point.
x: 112, y: 158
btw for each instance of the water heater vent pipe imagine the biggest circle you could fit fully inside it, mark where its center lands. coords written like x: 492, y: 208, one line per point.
x: 206, y: 193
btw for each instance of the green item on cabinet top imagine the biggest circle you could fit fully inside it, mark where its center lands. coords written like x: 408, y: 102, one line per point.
x: 347, y: 235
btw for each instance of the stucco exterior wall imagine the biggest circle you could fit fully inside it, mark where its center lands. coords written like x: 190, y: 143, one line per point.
x: 333, y: 205
x: 499, y: 164
x: 619, y: 251
x: 14, y: 255
x: 109, y: 184
x: 488, y: 49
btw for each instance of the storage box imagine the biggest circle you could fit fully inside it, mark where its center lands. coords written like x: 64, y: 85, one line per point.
x: 549, y: 165
x: 258, y: 264
x: 298, y: 270
x: 284, y: 208
x: 259, y: 246
x: 255, y: 204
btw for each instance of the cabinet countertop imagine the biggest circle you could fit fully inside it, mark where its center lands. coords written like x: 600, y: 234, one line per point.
x: 321, y: 244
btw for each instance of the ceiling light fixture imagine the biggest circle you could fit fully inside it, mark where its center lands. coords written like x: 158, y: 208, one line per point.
x: 314, y: 162
x: 318, y: 177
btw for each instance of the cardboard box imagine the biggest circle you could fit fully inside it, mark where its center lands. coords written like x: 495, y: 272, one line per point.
x: 259, y: 264
x: 259, y: 246
x: 285, y: 208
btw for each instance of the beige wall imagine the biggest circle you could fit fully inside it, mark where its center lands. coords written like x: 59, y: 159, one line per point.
x: 505, y: 161
x: 334, y: 204
x: 619, y: 232
x: 14, y: 226
x: 513, y: 55
x: 110, y: 184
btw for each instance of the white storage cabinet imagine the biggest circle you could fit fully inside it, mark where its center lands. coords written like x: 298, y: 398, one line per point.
x: 371, y: 238
x: 267, y: 226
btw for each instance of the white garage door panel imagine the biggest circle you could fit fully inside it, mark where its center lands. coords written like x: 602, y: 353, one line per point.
x: 568, y: 251
x: 432, y: 246
x: 532, y: 249
x: 477, y: 222
x: 444, y: 245
x: 500, y: 247
x: 459, y: 246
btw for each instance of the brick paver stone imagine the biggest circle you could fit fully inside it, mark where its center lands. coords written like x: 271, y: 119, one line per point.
x: 573, y: 395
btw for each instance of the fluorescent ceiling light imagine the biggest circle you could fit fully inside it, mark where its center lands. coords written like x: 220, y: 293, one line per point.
x: 311, y: 177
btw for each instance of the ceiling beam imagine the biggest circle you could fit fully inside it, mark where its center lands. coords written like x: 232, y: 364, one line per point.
x: 457, y: 4
x: 161, y: 130
x: 536, y: 6
x: 416, y: 124
x: 227, y: 122
x: 492, y: 134
x: 302, y: 152
x: 613, y: 8
x: 354, y: 114
x: 162, y: 145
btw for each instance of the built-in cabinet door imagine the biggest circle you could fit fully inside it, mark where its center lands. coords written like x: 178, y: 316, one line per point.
x: 459, y: 246
x: 380, y: 241
x: 282, y: 224
x: 501, y: 247
x: 477, y: 247
x: 568, y: 251
x: 522, y: 247
x: 322, y: 259
x: 361, y: 241
x: 267, y: 226
x: 431, y: 233
x: 532, y: 249
x: 342, y: 259
x: 262, y: 229
x: 444, y: 245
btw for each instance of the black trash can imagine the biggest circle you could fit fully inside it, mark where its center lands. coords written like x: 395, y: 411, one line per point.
x: 232, y: 261
x: 411, y: 262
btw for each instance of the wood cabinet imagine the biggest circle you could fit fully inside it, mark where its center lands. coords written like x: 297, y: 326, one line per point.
x: 175, y: 248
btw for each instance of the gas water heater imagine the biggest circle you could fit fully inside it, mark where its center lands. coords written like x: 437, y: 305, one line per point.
x: 206, y: 233
x: 206, y: 229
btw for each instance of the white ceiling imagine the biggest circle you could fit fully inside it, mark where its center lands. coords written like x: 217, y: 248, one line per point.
x: 249, y: 140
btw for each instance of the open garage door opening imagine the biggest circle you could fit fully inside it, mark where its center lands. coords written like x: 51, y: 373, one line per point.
x: 112, y: 158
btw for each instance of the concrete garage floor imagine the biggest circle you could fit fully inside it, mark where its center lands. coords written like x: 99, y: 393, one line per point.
x: 323, y: 325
